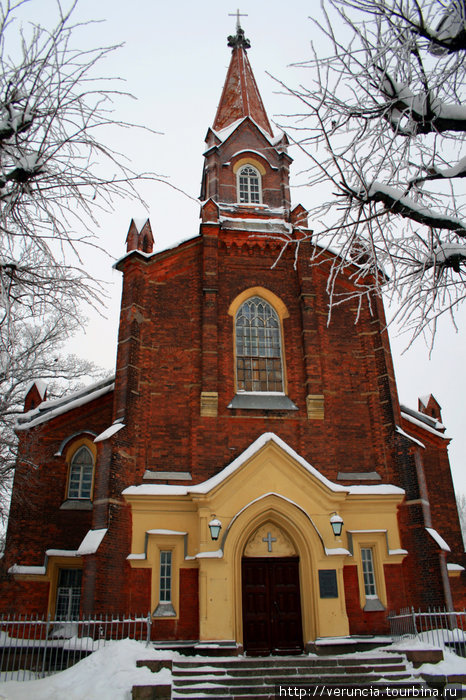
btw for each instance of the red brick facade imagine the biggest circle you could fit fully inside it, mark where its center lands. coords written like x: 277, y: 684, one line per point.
x: 176, y: 345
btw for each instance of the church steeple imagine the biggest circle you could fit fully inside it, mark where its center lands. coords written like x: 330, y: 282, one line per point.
x: 240, y: 97
x: 246, y: 167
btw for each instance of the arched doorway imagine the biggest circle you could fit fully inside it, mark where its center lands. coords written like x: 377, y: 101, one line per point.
x: 271, y: 595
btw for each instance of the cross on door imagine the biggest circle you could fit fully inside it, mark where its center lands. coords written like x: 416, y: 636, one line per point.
x: 269, y: 539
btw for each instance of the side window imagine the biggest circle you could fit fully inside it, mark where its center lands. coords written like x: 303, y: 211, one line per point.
x: 259, y: 365
x: 165, y: 577
x: 249, y: 185
x: 68, y: 594
x: 81, y: 474
x: 370, y: 588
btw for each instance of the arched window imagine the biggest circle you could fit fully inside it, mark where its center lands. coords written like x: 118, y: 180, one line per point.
x: 259, y: 365
x: 81, y: 474
x: 249, y: 185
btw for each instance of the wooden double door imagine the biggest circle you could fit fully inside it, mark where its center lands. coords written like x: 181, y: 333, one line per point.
x: 271, y: 605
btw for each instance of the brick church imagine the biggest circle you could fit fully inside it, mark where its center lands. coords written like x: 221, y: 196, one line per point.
x: 248, y: 475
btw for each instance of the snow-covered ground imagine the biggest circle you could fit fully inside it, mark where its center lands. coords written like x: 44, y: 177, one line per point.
x: 107, y: 674
x: 110, y: 673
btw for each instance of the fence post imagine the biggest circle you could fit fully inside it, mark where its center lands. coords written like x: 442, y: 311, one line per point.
x: 47, y: 628
x: 413, y: 615
x: 148, y: 625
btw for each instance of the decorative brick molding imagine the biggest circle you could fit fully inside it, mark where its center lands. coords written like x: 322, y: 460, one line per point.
x: 315, y: 406
x: 209, y: 404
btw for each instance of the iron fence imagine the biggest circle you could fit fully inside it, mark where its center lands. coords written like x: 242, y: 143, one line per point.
x: 34, y: 647
x: 440, y: 627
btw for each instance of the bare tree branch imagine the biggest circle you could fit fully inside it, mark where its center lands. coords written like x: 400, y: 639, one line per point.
x: 383, y: 123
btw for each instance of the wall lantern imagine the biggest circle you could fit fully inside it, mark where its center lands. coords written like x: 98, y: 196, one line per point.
x: 215, y: 526
x: 336, y: 521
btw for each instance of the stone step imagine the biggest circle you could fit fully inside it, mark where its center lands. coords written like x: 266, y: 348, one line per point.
x: 296, y: 661
x: 285, y: 670
x: 269, y: 692
x: 334, y: 678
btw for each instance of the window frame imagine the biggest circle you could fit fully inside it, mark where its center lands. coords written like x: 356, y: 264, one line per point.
x: 271, y: 340
x: 70, y: 615
x: 71, y: 454
x: 258, y: 175
x: 369, y: 572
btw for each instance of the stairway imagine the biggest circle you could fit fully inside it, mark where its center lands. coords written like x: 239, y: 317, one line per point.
x: 243, y: 678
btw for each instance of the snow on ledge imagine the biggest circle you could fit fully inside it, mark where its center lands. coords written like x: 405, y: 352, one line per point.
x: 61, y: 553
x: 25, y: 570
x: 114, y: 428
x: 455, y: 567
x: 336, y: 551
x: 91, y: 542
x: 136, y: 557
x: 406, y: 435
x: 166, y: 532
x: 438, y: 539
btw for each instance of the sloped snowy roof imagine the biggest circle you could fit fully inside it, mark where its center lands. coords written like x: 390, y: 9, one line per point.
x: 438, y: 539
x: 431, y: 425
x: 207, y: 486
x: 47, y: 410
x: 224, y: 134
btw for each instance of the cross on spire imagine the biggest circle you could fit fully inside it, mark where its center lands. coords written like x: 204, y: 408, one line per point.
x: 239, y: 40
x: 237, y: 15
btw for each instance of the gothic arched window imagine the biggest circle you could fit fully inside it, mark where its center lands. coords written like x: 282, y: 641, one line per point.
x: 259, y: 365
x: 81, y: 474
x: 249, y: 185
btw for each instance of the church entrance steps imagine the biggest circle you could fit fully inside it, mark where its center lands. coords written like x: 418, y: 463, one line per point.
x: 240, y: 677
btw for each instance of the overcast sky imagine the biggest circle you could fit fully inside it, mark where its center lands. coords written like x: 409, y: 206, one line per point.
x: 174, y: 62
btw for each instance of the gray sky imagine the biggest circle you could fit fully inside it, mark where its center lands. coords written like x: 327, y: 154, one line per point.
x: 174, y: 61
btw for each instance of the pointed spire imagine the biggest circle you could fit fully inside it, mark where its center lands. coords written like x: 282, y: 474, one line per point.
x: 240, y: 97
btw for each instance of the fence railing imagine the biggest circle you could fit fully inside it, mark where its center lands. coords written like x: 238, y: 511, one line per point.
x: 33, y: 647
x: 440, y: 627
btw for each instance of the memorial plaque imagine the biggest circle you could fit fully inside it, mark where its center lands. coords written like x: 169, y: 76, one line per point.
x: 328, y: 583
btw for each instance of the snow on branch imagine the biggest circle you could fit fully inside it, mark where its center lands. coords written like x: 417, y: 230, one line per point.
x: 383, y: 125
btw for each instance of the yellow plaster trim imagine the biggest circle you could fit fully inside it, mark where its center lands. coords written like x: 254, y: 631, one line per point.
x: 265, y: 294
x: 54, y: 564
x: 71, y: 450
x: 280, y: 309
x: 249, y: 161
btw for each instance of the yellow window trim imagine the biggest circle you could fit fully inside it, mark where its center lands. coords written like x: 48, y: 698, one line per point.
x: 70, y: 452
x: 278, y: 305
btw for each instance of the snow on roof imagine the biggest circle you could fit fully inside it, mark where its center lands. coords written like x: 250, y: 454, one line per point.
x: 158, y: 531
x: 419, y: 420
x: 91, y: 542
x: 214, y: 481
x: 406, y: 435
x: 114, y: 428
x: 226, y: 132
x: 438, y: 539
x: 47, y: 410
x: 154, y: 254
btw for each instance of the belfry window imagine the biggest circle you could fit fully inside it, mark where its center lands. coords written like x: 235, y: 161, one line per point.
x: 81, y: 473
x: 259, y: 366
x: 249, y: 185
